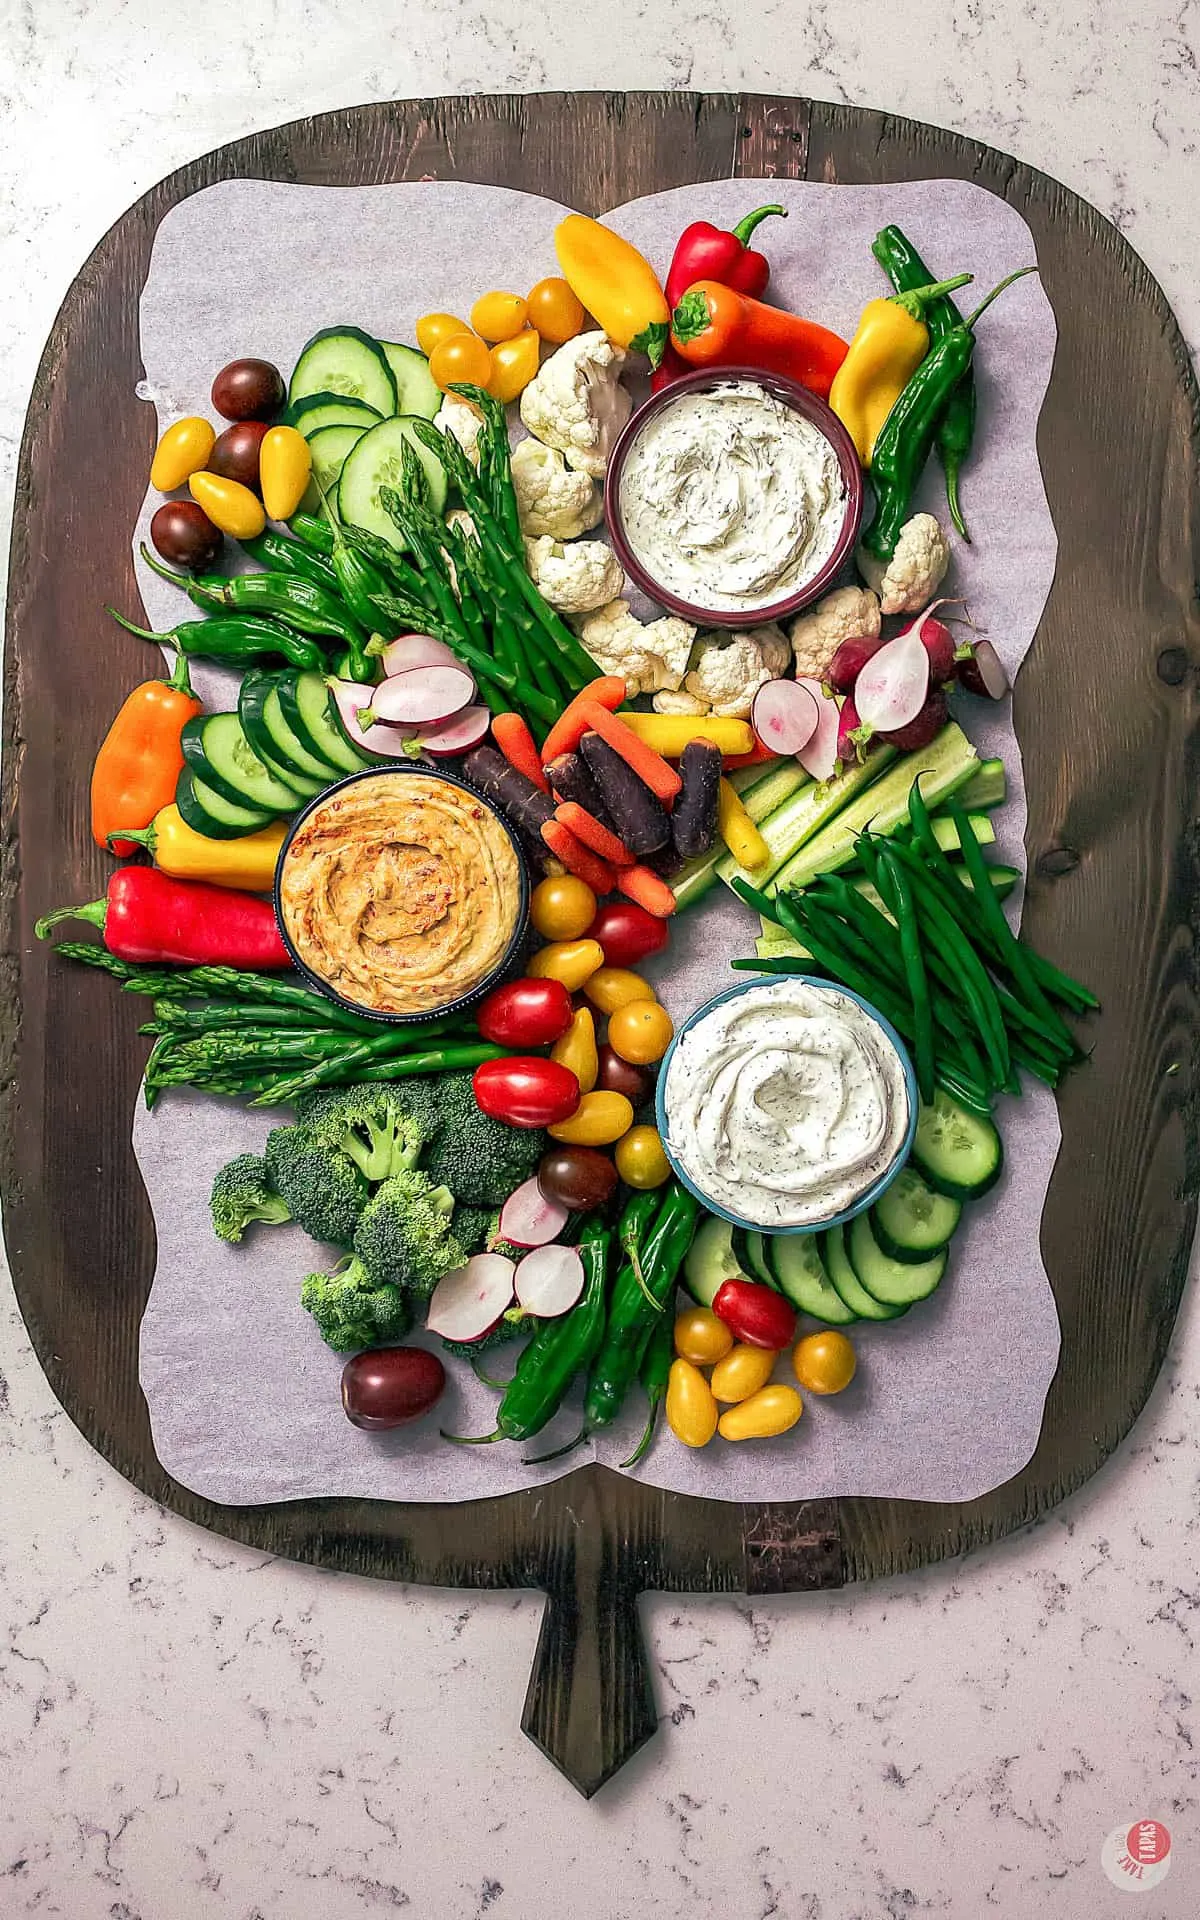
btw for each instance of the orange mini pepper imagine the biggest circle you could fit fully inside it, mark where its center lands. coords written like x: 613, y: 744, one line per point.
x: 140, y: 757
x: 713, y: 326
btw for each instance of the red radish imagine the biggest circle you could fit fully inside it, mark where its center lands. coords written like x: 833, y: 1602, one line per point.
x: 819, y: 756
x: 849, y: 750
x: 890, y: 691
x: 409, y: 650
x: 457, y: 735
x: 785, y: 715
x: 939, y: 644
x: 422, y: 696
x: 389, y: 743
x: 469, y: 1300
x: 981, y: 671
x: 549, y: 1281
x: 921, y: 729
x: 529, y: 1219
x: 850, y: 659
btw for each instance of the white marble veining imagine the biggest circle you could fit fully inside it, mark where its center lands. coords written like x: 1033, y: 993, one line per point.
x: 191, y: 1732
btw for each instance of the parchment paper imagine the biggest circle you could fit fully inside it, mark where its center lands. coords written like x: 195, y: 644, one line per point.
x: 243, y: 1395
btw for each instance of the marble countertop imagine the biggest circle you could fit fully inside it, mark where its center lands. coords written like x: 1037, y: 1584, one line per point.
x: 195, y: 1732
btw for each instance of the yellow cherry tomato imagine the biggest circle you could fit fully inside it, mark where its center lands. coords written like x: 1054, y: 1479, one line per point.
x: 613, y: 987
x: 571, y: 961
x: 497, y: 316
x: 563, y: 907
x: 182, y: 451
x: 701, y: 1338
x: 284, y: 468
x: 463, y: 357
x: 598, y: 1120
x: 692, y: 1413
x: 824, y: 1362
x: 640, y: 1031
x: 771, y: 1411
x: 640, y: 1159
x: 743, y: 1371
x: 577, y: 1051
x: 514, y: 363
x: 229, y: 505
x: 555, y: 310
x: 433, y: 328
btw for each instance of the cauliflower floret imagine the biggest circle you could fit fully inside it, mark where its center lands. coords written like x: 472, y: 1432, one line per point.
x: 551, y: 499
x: 728, y: 669
x: 908, y: 581
x: 462, y: 422
x: 459, y: 518
x: 679, y: 702
x: 816, y: 636
x: 576, y: 401
x: 648, y: 657
x: 576, y: 578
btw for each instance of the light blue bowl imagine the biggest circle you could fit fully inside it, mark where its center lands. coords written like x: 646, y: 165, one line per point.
x: 872, y: 1193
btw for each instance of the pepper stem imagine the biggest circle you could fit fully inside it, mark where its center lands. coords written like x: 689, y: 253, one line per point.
x: 156, y: 566
x: 971, y: 318
x: 745, y: 228
x: 94, y: 913
x: 647, y: 1437
x: 143, y: 633
x: 950, y: 466
x: 540, y: 1459
x: 471, y: 1439
x: 141, y: 837
x: 918, y: 298
x: 180, y: 681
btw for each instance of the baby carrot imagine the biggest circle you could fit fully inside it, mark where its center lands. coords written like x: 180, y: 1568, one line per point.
x: 511, y: 733
x: 609, y: 692
x: 593, y: 833
x: 643, y: 886
x: 578, y: 859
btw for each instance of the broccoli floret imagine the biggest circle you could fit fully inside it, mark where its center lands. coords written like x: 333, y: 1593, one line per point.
x: 241, y: 1193
x: 370, y: 1123
x: 404, y: 1236
x: 352, y: 1312
x: 510, y: 1326
x: 325, y: 1191
x: 480, y: 1159
x: 475, y: 1228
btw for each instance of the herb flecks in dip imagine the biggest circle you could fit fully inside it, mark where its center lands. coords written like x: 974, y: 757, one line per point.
x: 785, y: 1103
x: 731, y: 499
x: 402, y: 891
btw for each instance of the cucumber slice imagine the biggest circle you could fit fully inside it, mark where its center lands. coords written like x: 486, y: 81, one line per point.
x: 348, y: 361
x: 750, y: 1252
x: 272, y: 737
x: 911, y: 1221
x: 215, y: 746
x: 800, y: 1272
x: 846, y: 1282
x: 988, y: 787
x: 416, y: 389
x: 331, y: 410
x: 710, y: 1261
x: 375, y: 463
x: 206, y: 811
x: 330, y: 448
x: 959, y: 1153
x: 309, y: 710
x: 894, y: 1283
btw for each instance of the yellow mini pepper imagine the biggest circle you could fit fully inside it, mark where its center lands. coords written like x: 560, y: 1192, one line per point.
x: 616, y: 284
x: 890, y: 344
x: 177, y: 849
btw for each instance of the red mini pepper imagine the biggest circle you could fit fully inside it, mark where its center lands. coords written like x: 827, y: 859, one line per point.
x: 713, y: 326
x: 755, y: 1315
x: 705, y: 252
x: 153, y: 920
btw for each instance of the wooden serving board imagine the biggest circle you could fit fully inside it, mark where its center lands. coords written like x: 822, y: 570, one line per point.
x: 1106, y: 711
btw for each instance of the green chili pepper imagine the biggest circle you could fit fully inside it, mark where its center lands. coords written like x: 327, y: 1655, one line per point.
x: 907, y: 435
x: 653, y: 1372
x: 281, y: 555
x: 631, y: 1313
x: 632, y: 1228
x: 308, y: 609
x: 244, y: 642
x: 956, y: 429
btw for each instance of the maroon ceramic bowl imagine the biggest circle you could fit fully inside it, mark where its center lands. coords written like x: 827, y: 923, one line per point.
x: 803, y: 402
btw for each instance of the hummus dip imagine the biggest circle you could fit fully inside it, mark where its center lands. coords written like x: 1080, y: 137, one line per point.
x: 730, y: 499
x: 402, y: 891
x: 785, y: 1103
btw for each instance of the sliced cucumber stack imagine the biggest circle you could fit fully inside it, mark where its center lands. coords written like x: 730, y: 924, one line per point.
x: 206, y: 811
x: 846, y: 1281
x: 896, y: 1284
x: 800, y: 1273
x: 312, y: 714
x: 711, y: 1261
x: 959, y: 1153
x: 217, y: 750
x: 346, y: 361
x: 375, y: 462
x: 910, y: 1221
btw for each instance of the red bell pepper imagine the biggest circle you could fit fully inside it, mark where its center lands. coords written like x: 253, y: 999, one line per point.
x: 153, y: 920
x: 705, y: 252
x: 713, y: 326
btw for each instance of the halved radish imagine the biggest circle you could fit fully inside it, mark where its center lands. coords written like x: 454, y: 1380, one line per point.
x: 549, y: 1281
x: 469, y: 1300
x: 981, y: 671
x: 423, y: 696
x: 850, y: 659
x: 891, y: 689
x: 785, y: 715
x: 409, y: 650
x: 466, y: 730
x: 919, y: 731
x: 849, y: 752
x: 389, y: 743
x: 820, y: 756
x: 529, y: 1219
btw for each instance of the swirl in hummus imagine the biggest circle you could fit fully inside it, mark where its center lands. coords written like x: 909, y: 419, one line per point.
x: 402, y: 891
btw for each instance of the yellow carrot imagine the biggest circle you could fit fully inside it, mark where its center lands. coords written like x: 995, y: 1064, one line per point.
x: 669, y: 733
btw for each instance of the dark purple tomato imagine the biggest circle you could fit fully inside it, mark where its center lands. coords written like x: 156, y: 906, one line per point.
x: 580, y: 1178
x: 184, y: 535
x: 235, y: 452
x: 248, y: 390
x: 389, y: 1386
x: 615, y: 1075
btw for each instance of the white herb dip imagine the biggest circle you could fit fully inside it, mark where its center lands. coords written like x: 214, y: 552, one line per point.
x: 730, y: 499
x: 785, y: 1103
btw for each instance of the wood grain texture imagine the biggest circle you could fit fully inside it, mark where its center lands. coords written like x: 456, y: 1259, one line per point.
x: 1111, y: 849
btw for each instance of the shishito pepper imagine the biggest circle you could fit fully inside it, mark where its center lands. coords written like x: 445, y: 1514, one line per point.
x: 247, y: 863
x: 714, y: 326
x: 616, y: 284
x: 140, y: 757
x: 956, y: 428
x: 705, y: 252
x: 889, y: 345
